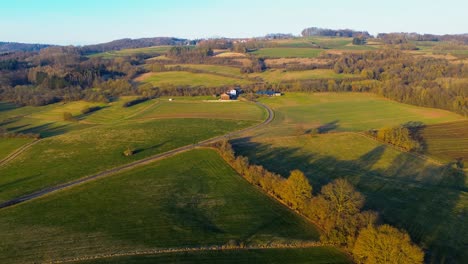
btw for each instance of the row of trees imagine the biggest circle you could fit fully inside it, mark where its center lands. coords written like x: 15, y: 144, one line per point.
x: 337, y: 210
x: 401, y: 136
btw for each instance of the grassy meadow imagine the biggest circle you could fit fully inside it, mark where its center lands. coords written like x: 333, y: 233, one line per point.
x: 333, y: 112
x: 151, y: 51
x: 190, y: 108
x: 183, y: 78
x: 288, y: 52
x: 220, y: 69
x: 278, y: 76
x: 319, y: 255
x: 161, y: 205
x: 88, y: 151
x: 9, y: 145
x: 428, y: 200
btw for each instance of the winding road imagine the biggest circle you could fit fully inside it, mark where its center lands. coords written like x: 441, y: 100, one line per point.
x: 134, y: 164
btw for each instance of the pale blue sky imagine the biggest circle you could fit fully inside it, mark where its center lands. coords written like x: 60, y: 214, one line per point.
x: 97, y: 21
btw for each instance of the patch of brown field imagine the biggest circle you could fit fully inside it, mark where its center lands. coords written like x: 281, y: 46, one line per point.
x: 245, y: 62
x: 340, y: 52
x: 219, y: 51
x: 301, y: 61
x: 231, y: 55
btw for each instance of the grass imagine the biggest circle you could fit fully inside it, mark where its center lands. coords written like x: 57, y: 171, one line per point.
x: 288, y: 52
x: 428, y: 200
x: 277, y: 76
x: 220, y: 69
x: 183, y: 78
x: 447, y: 141
x: 302, y: 255
x: 202, y: 203
x: 151, y: 51
x: 347, y: 112
x: 188, y: 107
x: 80, y: 153
x: 8, y: 145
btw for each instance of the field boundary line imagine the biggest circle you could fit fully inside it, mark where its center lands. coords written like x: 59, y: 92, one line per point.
x: 17, y: 152
x: 131, y: 165
x: 157, y: 251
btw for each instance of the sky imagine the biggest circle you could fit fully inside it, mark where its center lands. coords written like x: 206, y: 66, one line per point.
x: 80, y: 22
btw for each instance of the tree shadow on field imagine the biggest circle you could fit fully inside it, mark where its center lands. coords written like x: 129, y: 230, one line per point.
x: 409, y: 193
x: 325, y: 128
x: 138, y: 150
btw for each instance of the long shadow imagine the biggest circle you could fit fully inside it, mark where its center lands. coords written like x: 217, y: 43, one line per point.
x: 151, y: 147
x: 422, y: 198
x: 325, y: 128
x: 47, y: 130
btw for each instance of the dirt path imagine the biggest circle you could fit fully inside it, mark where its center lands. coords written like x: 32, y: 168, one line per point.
x: 131, y: 165
x: 17, y: 152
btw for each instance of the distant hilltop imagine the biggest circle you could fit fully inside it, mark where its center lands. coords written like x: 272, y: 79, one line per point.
x: 15, y: 46
x: 315, y: 31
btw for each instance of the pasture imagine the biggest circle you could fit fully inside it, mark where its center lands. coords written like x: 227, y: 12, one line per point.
x: 331, y: 112
x: 149, y: 51
x: 448, y: 141
x: 319, y: 255
x: 219, y: 69
x: 277, y: 75
x: 288, y: 52
x: 9, y: 145
x: 183, y: 78
x: 183, y: 107
x: 161, y: 205
x: 88, y: 151
x: 428, y: 200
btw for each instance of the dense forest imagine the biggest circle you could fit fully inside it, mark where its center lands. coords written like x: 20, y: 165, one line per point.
x: 325, y: 32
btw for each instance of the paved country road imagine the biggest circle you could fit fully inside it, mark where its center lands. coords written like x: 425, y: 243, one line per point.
x: 135, y: 163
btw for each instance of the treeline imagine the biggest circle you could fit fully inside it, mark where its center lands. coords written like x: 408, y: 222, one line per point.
x: 409, y: 79
x: 15, y: 46
x: 4, y: 133
x: 402, y: 136
x: 337, y: 210
x: 128, y: 43
x: 315, y: 31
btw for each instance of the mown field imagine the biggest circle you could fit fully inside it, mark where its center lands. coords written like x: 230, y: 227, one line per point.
x: 220, y: 69
x: 288, y: 52
x: 448, y: 141
x: 428, y: 200
x: 321, y: 255
x: 183, y: 78
x: 278, y: 76
x: 331, y: 112
x: 192, y: 108
x: 84, y: 152
x: 8, y: 145
x: 161, y: 205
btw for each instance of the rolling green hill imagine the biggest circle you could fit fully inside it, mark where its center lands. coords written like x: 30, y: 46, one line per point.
x: 162, y: 205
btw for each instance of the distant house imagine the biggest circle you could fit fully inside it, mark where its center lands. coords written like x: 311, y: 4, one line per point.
x: 269, y: 93
x: 225, y: 96
x: 233, y: 92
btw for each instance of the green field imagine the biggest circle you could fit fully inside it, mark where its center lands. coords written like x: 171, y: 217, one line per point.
x: 447, y: 141
x: 428, y: 200
x: 321, y: 255
x: 183, y: 78
x: 288, y: 52
x: 84, y: 152
x: 190, y: 108
x: 333, y: 112
x: 278, y: 76
x: 8, y: 145
x: 220, y: 69
x: 151, y: 51
x: 162, y: 205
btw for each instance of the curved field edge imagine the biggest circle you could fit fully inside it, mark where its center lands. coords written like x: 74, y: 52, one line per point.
x: 161, y: 205
x: 82, y: 153
x: 10, y: 145
x: 318, y: 255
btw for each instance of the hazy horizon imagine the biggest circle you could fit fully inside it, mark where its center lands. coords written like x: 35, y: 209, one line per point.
x: 89, y: 22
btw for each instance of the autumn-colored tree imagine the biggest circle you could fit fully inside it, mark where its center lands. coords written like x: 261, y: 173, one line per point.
x: 386, y: 244
x: 297, y: 190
